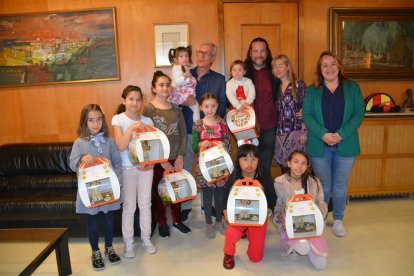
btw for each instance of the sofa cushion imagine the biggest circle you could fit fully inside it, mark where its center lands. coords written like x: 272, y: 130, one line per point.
x: 39, y: 182
x: 33, y: 159
x: 52, y: 204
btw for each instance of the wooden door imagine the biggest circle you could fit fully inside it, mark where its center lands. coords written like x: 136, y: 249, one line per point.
x: 275, y: 22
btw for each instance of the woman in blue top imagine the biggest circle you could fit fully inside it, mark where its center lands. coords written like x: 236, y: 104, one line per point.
x: 333, y: 110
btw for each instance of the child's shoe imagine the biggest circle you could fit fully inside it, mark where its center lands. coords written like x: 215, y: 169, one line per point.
x: 319, y: 262
x: 228, y: 261
x: 164, y: 231
x: 129, y: 251
x: 210, y: 231
x: 338, y: 228
x: 221, y: 227
x: 111, y: 255
x: 182, y: 228
x: 97, y: 261
x: 149, y: 247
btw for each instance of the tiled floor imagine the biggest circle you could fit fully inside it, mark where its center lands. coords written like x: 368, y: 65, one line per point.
x: 379, y: 241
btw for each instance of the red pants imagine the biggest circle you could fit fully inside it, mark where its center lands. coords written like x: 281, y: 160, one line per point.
x: 160, y: 207
x: 255, y: 235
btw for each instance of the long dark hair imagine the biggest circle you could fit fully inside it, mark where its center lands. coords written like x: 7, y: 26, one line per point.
x: 125, y: 92
x: 156, y: 76
x: 308, y: 173
x: 244, y: 151
x: 248, y: 61
x: 83, y: 130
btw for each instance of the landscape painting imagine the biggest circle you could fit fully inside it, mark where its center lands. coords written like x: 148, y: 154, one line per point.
x: 374, y: 43
x: 58, y: 47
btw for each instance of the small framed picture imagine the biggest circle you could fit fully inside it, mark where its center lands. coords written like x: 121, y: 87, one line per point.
x: 167, y: 36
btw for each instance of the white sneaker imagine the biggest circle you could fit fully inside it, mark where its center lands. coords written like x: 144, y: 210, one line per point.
x: 338, y: 228
x: 149, y: 247
x: 129, y: 251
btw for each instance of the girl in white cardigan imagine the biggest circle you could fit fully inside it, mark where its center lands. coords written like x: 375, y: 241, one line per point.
x: 240, y: 90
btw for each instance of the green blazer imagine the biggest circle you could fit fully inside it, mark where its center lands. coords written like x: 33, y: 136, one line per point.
x: 354, y: 112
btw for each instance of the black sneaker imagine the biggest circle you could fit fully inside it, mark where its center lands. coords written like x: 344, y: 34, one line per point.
x: 97, y: 261
x: 164, y: 231
x: 182, y: 228
x: 111, y: 255
x: 185, y: 215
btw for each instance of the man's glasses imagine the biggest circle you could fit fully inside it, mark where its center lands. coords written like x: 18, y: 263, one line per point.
x: 205, y: 54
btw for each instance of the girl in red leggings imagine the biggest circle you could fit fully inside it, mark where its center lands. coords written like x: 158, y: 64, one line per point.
x: 245, y: 165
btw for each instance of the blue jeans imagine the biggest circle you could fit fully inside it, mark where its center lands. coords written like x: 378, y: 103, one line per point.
x: 333, y: 170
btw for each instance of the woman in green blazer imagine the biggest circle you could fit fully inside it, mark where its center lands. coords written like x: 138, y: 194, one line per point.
x: 333, y: 110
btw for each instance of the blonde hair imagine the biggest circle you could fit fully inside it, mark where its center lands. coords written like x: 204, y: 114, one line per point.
x: 291, y: 75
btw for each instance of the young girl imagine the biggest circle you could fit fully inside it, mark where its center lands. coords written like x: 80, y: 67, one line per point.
x: 93, y: 142
x: 291, y: 131
x: 240, y: 90
x: 299, y: 180
x: 245, y: 165
x: 137, y: 180
x: 205, y: 131
x: 169, y: 119
x: 182, y: 81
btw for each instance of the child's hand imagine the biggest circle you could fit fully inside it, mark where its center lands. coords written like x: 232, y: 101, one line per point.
x: 281, y: 219
x: 190, y: 101
x: 299, y: 114
x: 178, y: 163
x: 87, y: 158
x: 187, y: 73
x: 167, y: 166
x: 146, y: 167
x: 204, y: 144
x: 137, y: 125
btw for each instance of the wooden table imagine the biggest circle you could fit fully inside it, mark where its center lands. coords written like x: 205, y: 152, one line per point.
x: 55, y: 239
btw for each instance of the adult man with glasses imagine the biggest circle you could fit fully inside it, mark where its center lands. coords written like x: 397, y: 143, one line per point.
x: 259, y: 70
x: 207, y: 81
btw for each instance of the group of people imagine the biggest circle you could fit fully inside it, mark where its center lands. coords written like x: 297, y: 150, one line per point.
x: 307, y: 130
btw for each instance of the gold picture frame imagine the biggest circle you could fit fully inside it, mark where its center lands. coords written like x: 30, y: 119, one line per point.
x: 59, y: 47
x: 167, y: 36
x: 373, y: 43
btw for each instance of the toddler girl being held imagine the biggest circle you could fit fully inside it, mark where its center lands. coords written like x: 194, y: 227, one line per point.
x: 183, y: 82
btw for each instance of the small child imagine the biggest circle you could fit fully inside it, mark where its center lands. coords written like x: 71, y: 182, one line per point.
x: 211, y: 128
x: 93, y: 142
x: 183, y: 82
x: 240, y: 90
x: 245, y: 165
x: 299, y: 180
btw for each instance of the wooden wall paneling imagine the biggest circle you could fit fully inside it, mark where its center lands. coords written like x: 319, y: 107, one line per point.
x: 369, y: 145
x: 399, y: 174
x: 275, y: 22
x: 365, y: 176
x: 398, y: 135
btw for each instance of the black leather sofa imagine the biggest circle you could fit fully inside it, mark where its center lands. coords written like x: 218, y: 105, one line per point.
x: 38, y: 189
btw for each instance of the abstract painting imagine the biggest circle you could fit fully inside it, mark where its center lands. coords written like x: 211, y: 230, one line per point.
x: 58, y: 47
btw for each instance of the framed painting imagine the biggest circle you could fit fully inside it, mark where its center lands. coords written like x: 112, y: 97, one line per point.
x: 373, y: 43
x: 58, y: 47
x: 167, y: 36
